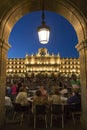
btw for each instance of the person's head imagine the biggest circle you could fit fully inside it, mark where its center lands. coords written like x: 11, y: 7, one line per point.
x: 38, y: 93
x: 56, y: 92
x: 41, y: 87
x: 14, y: 83
x: 22, y: 89
x: 76, y: 92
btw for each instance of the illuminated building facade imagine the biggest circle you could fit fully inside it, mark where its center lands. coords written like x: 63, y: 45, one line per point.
x: 44, y: 63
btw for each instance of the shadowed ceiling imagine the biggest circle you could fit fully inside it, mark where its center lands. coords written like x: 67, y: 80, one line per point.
x: 75, y: 11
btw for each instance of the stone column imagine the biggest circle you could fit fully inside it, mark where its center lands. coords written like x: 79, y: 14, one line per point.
x: 82, y: 48
x: 3, y: 57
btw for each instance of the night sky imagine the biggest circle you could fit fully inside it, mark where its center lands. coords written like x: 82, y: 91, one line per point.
x: 24, y: 38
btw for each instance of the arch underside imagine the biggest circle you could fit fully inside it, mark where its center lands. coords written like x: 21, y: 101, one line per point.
x: 63, y: 8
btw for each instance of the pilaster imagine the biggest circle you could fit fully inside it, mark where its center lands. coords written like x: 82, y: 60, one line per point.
x: 3, y: 57
x: 82, y: 48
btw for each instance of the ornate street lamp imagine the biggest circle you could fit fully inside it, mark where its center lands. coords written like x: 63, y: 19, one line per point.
x: 43, y: 30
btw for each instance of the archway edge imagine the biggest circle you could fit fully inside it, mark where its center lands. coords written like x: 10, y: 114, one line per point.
x: 64, y: 8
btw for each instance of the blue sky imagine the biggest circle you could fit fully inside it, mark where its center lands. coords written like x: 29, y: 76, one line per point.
x: 24, y: 38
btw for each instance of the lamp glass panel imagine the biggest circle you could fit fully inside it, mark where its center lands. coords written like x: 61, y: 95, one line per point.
x: 43, y: 34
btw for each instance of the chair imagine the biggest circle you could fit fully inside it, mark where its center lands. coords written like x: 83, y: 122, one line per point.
x: 20, y: 110
x: 57, y: 111
x: 75, y: 110
x: 40, y: 111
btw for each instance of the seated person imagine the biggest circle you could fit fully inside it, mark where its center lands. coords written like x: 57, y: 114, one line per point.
x: 56, y: 98
x: 64, y: 91
x: 74, y: 98
x: 43, y: 91
x: 8, y: 101
x: 8, y: 106
x: 39, y: 99
x: 21, y: 98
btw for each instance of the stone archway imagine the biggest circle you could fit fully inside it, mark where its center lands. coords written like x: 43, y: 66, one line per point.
x: 64, y: 8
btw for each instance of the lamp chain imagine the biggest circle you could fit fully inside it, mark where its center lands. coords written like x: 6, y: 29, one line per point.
x: 43, y: 16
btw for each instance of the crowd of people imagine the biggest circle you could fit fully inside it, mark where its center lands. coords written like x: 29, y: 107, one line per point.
x: 18, y: 92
